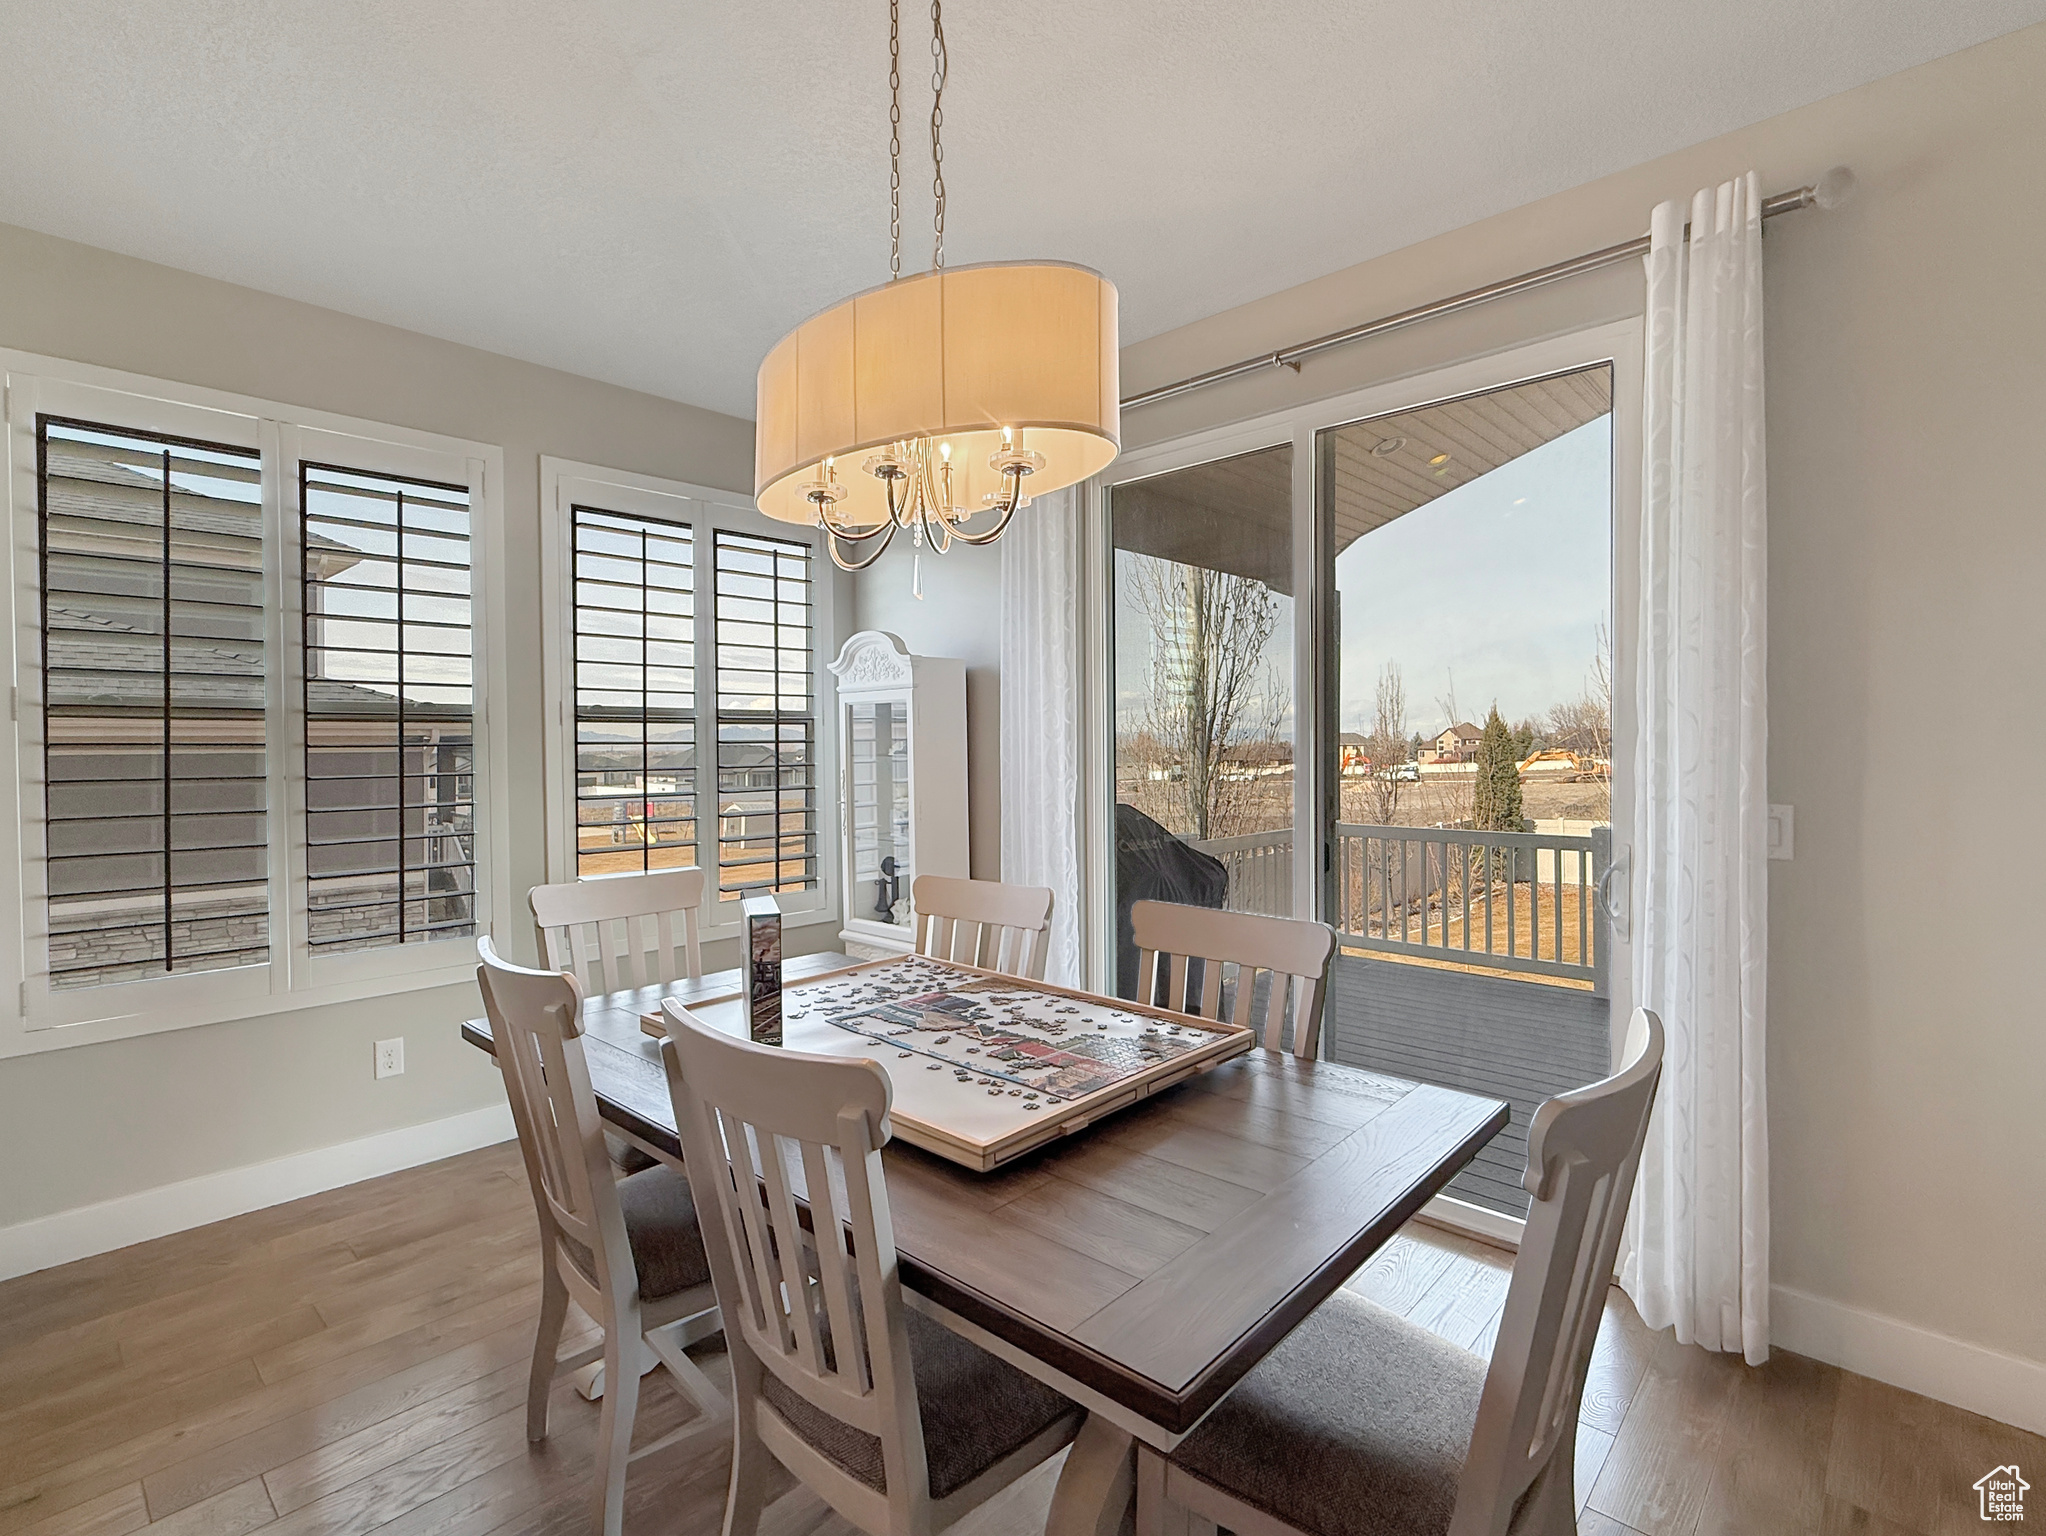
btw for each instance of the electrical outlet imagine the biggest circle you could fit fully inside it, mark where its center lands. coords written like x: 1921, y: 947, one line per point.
x: 391, y: 1057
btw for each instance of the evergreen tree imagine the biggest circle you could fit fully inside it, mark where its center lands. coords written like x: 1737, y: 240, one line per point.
x: 1496, y: 803
x: 1524, y: 741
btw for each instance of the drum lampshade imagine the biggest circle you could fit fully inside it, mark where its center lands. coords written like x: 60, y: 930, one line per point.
x: 955, y: 357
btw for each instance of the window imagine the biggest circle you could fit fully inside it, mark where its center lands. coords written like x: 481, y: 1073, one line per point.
x: 390, y: 750
x: 253, y: 762
x: 635, y: 693
x: 664, y: 588
x: 767, y: 720
x: 153, y: 658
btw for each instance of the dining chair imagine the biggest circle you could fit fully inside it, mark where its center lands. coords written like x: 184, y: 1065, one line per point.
x: 623, y: 930
x: 983, y: 922
x: 897, y: 1423
x: 1209, y: 955
x: 1363, y: 1424
x: 629, y: 1252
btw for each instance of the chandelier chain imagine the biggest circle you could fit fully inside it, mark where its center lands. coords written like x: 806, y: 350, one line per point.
x: 894, y: 140
x: 938, y: 62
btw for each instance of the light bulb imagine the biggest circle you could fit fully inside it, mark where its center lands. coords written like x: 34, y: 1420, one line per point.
x: 945, y: 452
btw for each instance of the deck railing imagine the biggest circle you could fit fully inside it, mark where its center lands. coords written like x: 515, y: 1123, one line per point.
x: 1260, y: 866
x: 1510, y: 901
x: 1526, y: 902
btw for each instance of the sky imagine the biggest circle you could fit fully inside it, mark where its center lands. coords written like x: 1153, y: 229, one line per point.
x: 1496, y: 589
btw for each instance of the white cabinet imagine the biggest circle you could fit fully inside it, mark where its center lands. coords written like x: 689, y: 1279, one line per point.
x: 901, y: 784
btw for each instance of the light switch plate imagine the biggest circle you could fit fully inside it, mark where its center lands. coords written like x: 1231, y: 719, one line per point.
x: 1782, y: 832
x: 391, y: 1057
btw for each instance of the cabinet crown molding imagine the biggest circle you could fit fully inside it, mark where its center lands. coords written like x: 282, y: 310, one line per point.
x: 873, y: 658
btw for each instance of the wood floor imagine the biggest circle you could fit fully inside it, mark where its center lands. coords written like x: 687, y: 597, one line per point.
x: 355, y: 1362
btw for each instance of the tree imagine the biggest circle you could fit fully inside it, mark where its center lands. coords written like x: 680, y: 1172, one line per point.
x: 1496, y: 799
x: 1524, y: 740
x: 1387, y: 745
x: 1584, y: 725
x: 1212, y: 694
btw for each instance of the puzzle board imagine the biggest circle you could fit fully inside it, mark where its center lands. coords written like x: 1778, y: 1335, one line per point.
x: 984, y: 1066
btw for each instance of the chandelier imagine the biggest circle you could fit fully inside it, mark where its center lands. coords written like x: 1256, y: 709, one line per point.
x: 938, y: 403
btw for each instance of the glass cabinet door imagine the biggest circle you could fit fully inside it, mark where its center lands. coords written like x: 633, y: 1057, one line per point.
x: 877, y: 815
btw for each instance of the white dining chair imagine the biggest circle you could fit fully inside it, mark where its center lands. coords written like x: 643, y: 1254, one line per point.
x: 897, y: 1423
x: 1363, y: 1424
x: 623, y: 931
x: 629, y: 1253
x: 986, y: 923
x: 1211, y: 959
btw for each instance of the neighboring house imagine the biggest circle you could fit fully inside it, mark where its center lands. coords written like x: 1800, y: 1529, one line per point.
x: 1458, y: 744
x: 1256, y: 759
x: 207, y: 870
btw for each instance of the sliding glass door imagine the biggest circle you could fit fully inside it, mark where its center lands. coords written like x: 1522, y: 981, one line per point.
x: 1390, y: 630
x: 1470, y: 550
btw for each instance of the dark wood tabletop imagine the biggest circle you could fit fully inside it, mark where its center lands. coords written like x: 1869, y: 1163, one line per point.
x: 1157, y: 1256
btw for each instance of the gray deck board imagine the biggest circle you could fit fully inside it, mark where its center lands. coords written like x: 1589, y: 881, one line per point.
x: 1520, y: 1041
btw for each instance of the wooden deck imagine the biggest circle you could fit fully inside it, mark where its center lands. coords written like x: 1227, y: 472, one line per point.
x: 1521, y: 1041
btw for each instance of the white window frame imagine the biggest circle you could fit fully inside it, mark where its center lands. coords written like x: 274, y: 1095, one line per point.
x: 566, y: 484
x: 44, y: 1019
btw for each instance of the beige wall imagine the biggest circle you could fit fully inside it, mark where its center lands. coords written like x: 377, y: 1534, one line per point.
x: 94, y: 1122
x: 959, y: 615
x: 1907, y: 446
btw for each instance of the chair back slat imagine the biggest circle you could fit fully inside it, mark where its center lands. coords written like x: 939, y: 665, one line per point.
x: 621, y: 932
x: 1584, y: 1148
x: 987, y: 923
x: 763, y: 1130
x: 1236, y: 952
x: 536, y: 1024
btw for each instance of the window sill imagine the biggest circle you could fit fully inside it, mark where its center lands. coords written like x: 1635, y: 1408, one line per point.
x: 27, y: 1038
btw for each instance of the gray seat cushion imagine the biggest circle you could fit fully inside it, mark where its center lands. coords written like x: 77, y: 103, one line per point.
x: 660, y: 1223
x: 975, y: 1410
x: 1356, y: 1425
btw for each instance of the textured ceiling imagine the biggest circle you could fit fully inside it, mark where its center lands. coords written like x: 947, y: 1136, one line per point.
x: 652, y: 193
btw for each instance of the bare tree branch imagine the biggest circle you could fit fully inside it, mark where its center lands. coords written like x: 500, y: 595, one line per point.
x: 1213, y: 695
x: 1387, y: 745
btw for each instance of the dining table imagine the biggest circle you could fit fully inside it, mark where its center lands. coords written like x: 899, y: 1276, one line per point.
x: 1143, y: 1265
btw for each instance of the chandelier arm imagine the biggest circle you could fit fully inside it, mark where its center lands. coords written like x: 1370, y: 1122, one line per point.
x: 1007, y: 512
x: 854, y: 534
x: 936, y: 529
x: 855, y: 566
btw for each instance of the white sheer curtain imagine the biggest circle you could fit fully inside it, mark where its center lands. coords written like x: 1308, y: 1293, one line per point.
x: 1041, y: 715
x: 1698, y: 1256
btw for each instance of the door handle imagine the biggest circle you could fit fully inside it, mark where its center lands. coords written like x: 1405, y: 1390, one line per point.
x: 1616, y: 912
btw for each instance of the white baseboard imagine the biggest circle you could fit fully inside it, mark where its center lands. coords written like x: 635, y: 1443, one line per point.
x: 1477, y: 1221
x: 2007, y: 1388
x: 150, y: 1213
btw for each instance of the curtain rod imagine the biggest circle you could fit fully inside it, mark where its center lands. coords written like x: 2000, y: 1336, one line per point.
x: 1827, y: 192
